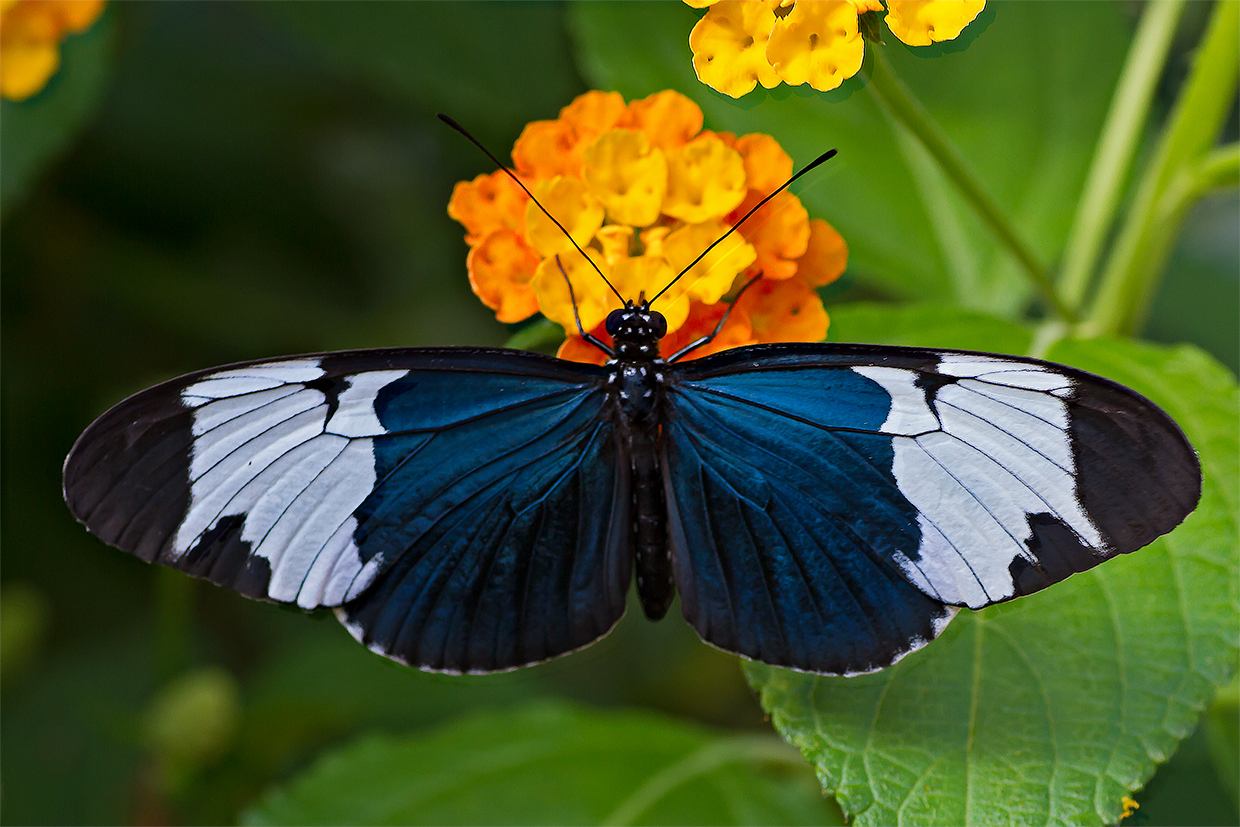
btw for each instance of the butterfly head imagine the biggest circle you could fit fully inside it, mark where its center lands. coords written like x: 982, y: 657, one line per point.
x: 636, y: 330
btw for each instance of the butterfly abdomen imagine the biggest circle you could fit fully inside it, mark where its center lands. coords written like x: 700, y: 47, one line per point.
x: 638, y: 381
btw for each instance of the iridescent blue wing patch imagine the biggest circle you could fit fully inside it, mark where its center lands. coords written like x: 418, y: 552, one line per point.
x: 830, y: 505
x: 463, y: 510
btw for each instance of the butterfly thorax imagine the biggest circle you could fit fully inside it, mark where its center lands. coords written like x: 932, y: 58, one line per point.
x: 637, y: 380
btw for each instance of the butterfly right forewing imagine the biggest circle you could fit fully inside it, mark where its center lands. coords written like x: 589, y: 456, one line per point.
x: 830, y: 504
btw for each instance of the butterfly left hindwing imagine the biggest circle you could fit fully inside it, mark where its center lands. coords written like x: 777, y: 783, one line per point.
x: 445, y: 499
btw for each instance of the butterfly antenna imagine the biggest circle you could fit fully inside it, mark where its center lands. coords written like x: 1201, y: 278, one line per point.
x: 514, y: 177
x: 811, y: 165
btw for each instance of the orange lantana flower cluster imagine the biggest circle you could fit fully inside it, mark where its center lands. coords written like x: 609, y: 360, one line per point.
x: 741, y: 43
x: 30, y: 35
x: 643, y: 190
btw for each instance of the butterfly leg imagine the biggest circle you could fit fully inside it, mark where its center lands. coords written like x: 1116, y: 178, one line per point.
x: 589, y: 337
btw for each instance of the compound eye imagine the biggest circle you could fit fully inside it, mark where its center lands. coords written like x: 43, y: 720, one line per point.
x: 658, y: 324
x: 615, y: 319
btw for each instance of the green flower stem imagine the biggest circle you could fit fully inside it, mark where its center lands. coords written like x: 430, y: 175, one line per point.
x: 1219, y: 169
x: 1145, y: 242
x: 899, y: 101
x: 1120, y: 137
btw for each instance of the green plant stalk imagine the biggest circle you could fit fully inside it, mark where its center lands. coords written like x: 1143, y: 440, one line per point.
x: 1153, y: 221
x: 1121, y: 134
x: 899, y: 101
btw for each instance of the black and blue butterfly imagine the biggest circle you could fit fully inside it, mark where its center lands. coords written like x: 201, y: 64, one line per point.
x: 824, y: 507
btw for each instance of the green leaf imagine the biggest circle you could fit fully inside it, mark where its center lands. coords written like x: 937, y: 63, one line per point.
x: 38, y: 129
x: 554, y: 764
x: 518, y: 66
x: 1023, y: 102
x: 1050, y: 708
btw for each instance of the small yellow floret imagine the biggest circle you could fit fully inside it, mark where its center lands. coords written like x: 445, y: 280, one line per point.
x: 817, y: 43
x: 646, y: 276
x: 616, y: 242
x: 574, y: 207
x: 922, y: 22
x: 627, y: 175
x: 30, y: 35
x: 712, y: 277
x: 594, y: 299
x: 864, y: 6
x: 705, y: 179
x: 729, y: 47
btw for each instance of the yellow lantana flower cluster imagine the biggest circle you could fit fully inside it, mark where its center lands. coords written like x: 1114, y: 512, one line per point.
x: 741, y: 43
x: 30, y: 36
x: 643, y: 190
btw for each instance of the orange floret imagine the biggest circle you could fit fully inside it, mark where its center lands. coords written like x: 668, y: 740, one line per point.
x: 784, y: 311
x: 779, y: 232
x: 594, y: 113
x: 488, y: 203
x: 767, y: 166
x: 826, y: 256
x: 546, y: 149
x: 703, y: 319
x: 500, y: 270
x: 668, y: 118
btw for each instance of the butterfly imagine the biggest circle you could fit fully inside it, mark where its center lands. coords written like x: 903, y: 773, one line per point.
x: 823, y: 507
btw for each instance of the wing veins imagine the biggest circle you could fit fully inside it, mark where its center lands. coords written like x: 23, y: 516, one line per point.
x: 498, y: 487
x: 973, y: 496
x: 438, y: 432
x: 486, y: 414
x: 1008, y: 404
x: 202, y: 407
x: 1003, y: 430
x: 223, y: 508
x: 831, y: 517
x: 776, y: 411
x: 497, y: 500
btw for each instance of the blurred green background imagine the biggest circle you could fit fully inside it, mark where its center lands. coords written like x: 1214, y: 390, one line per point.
x: 205, y: 183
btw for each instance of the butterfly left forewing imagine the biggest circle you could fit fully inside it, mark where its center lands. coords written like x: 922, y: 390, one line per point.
x: 972, y: 477
x: 436, y: 496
